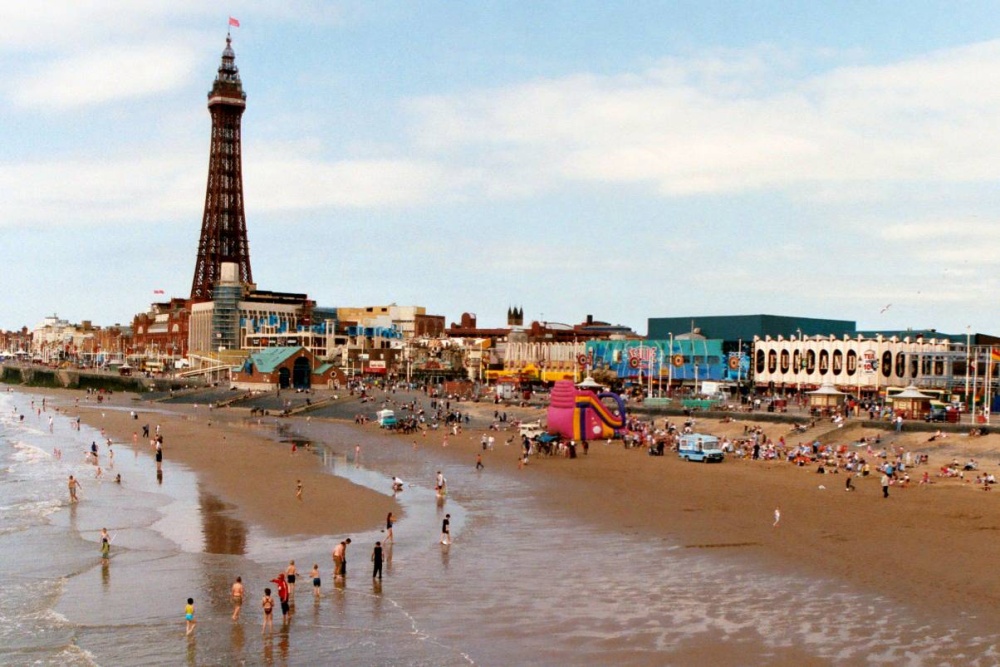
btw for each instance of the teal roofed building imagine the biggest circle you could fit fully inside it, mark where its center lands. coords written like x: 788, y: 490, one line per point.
x: 284, y: 368
x: 734, y: 328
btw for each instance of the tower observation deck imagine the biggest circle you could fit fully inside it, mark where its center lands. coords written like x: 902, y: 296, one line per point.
x: 223, y: 226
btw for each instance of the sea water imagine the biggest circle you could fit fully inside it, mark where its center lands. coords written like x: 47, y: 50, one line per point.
x: 521, y: 584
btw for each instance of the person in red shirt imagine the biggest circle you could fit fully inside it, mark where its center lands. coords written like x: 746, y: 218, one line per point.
x: 282, y: 596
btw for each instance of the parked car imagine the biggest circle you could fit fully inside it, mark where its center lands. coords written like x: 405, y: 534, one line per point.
x: 937, y: 414
x: 531, y: 429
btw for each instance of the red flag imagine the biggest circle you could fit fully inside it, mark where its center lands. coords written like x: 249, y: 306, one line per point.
x: 233, y: 22
x: 158, y: 291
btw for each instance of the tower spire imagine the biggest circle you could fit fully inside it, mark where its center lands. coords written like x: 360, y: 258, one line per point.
x: 223, y: 225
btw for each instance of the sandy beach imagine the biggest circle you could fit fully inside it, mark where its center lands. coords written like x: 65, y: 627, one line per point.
x: 254, y: 476
x: 930, y: 546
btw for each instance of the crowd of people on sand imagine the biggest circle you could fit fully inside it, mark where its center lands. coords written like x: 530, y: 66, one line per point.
x: 865, y: 457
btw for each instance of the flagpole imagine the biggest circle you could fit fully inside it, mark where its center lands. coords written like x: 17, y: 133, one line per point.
x: 986, y: 389
x: 975, y: 382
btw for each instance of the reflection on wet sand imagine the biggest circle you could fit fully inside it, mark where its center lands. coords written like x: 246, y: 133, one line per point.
x: 237, y: 639
x: 223, y: 533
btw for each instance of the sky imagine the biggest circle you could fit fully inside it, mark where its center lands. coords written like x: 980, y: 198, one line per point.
x: 622, y: 160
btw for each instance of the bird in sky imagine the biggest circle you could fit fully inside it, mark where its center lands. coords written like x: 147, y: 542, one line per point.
x: 885, y: 308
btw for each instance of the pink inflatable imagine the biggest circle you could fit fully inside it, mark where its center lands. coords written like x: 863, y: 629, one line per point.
x: 579, y: 414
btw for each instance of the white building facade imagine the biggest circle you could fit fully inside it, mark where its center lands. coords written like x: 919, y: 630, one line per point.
x: 861, y: 365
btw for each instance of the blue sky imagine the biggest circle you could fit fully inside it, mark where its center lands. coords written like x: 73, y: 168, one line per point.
x: 626, y: 160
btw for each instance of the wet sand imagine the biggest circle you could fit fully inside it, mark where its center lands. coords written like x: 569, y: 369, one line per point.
x: 929, y: 546
x: 252, y: 474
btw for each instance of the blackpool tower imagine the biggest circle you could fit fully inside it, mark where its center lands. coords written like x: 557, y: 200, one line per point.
x: 224, y: 225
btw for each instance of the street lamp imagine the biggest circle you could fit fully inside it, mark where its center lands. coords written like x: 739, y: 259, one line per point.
x: 968, y: 342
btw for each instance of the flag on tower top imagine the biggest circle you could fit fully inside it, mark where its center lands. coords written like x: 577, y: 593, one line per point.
x: 234, y: 22
x: 158, y: 291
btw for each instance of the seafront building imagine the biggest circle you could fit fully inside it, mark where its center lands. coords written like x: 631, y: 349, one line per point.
x: 868, y: 366
x: 55, y: 340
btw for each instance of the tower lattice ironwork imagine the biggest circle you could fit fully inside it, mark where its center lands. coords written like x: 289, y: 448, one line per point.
x: 224, y: 225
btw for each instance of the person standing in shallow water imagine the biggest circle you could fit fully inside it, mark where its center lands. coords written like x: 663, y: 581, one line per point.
x: 267, y: 604
x: 73, y: 486
x: 105, y: 546
x: 189, y: 616
x: 290, y: 573
x: 340, y: 559
x: 377, y: 561
x: 446, y: 529
x: 316, y: 580
x: 237, y: 594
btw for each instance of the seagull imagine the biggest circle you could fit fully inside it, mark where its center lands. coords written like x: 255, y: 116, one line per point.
x: 887, y: 307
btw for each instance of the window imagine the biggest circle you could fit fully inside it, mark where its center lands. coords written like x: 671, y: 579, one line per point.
x: 824, y: 362
x: 852, y: 362
x: 838, y: 362
x: 784, y: 361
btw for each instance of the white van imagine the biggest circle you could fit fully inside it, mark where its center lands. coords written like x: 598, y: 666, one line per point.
x: 386, y: 418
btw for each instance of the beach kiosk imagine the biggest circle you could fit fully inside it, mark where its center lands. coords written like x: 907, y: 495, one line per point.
x: 827, y: 397
x: 590, y: 383
x: 911, y: 403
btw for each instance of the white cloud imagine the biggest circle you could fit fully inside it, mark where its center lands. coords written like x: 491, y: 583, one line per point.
x: 59, y: 25
x: 953, y: 229
x: 696, y: 126
x: 104, y: 75
x: 79, y: 192
x: 280, y: 180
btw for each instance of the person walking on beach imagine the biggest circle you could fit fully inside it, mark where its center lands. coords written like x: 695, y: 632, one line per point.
x: 777, y: 517
x: 282, y: 596
x: 377, y: 561
x: 189, y: 616
x: 73, y: 486
x: 298, y: 489
x: 290, y: 573
x: 159, y: 455
x: 479, y: 462
x: 267, y: 604
x: 105, y: 546
x: 316, y: 580
x: 446, y: 530
x: 237, y: 595
x: 388, y: 527
x: 885, y: 485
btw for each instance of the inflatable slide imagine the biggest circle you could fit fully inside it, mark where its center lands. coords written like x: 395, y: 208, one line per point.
x: 579, y: 414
